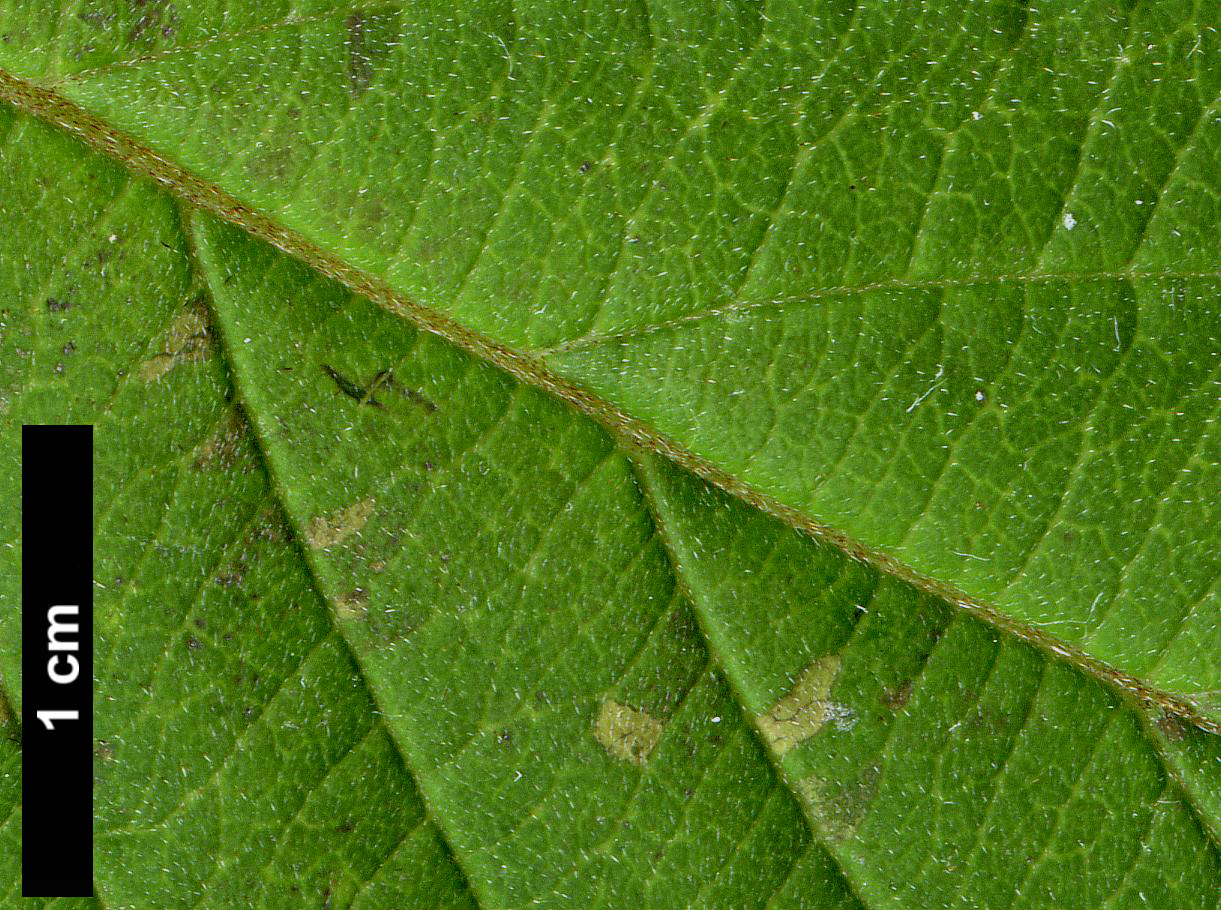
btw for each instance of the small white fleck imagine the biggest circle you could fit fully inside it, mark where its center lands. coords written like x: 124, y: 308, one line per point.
x: 114, y: 238
x: 979, y: 395
x: 976, y: 115
x: 1069, y: 221
x: 716, y: 720
x: 248, y: 340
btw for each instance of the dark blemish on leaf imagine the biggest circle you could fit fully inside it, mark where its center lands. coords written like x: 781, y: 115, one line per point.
x: 586, y: 167
x: 386, y: 378
x: 98, y: 19
x: 159, y: 19
x: 145, y: 22
x: 68, y: 349
x: 895, y: 698
x: 504, y: 737
x: 228, y: 579
x: 346, y: 827
x: 351, y: 389
x: 57, y: 306
x: 104, y: 751
x: 360, y: 68
x: 201, y: 623
x: 371, y: 37
x: 194, y: 643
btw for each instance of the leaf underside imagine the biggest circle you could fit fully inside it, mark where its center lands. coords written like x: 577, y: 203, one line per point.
x: 380, y: 624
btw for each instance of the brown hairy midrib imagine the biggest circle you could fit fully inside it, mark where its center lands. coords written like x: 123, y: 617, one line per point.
x: 195, y: 191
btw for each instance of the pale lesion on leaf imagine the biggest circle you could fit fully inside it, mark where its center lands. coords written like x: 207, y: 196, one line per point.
x: 334, y: 527
x: 187, y: 340
x: 836, y: 807
x: 804, y: 710
x: 627, y: 733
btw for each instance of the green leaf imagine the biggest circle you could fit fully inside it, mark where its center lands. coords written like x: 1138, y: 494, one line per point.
x: 930, y: 278
x: 382, y: 620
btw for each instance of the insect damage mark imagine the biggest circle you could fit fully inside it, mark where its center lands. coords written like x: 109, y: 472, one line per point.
x: 188, y: 340
x: 334, y: 527
x: 383, y: 380
x: 805, y: 709
x: 627, y: 733
x: 357, y: 393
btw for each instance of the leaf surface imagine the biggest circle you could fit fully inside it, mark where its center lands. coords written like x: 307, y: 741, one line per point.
x: 427, y: 634
x: 932, y: 277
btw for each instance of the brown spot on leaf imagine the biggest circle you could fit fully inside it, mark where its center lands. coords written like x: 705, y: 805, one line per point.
x: 896, y: 697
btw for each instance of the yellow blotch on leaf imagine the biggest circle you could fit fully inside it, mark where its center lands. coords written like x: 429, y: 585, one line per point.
x: 334, y: 527
x: 803, y: 711
x: 627, y: 733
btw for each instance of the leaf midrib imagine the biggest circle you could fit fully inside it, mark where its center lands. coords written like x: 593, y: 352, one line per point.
x: 199, y: 193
